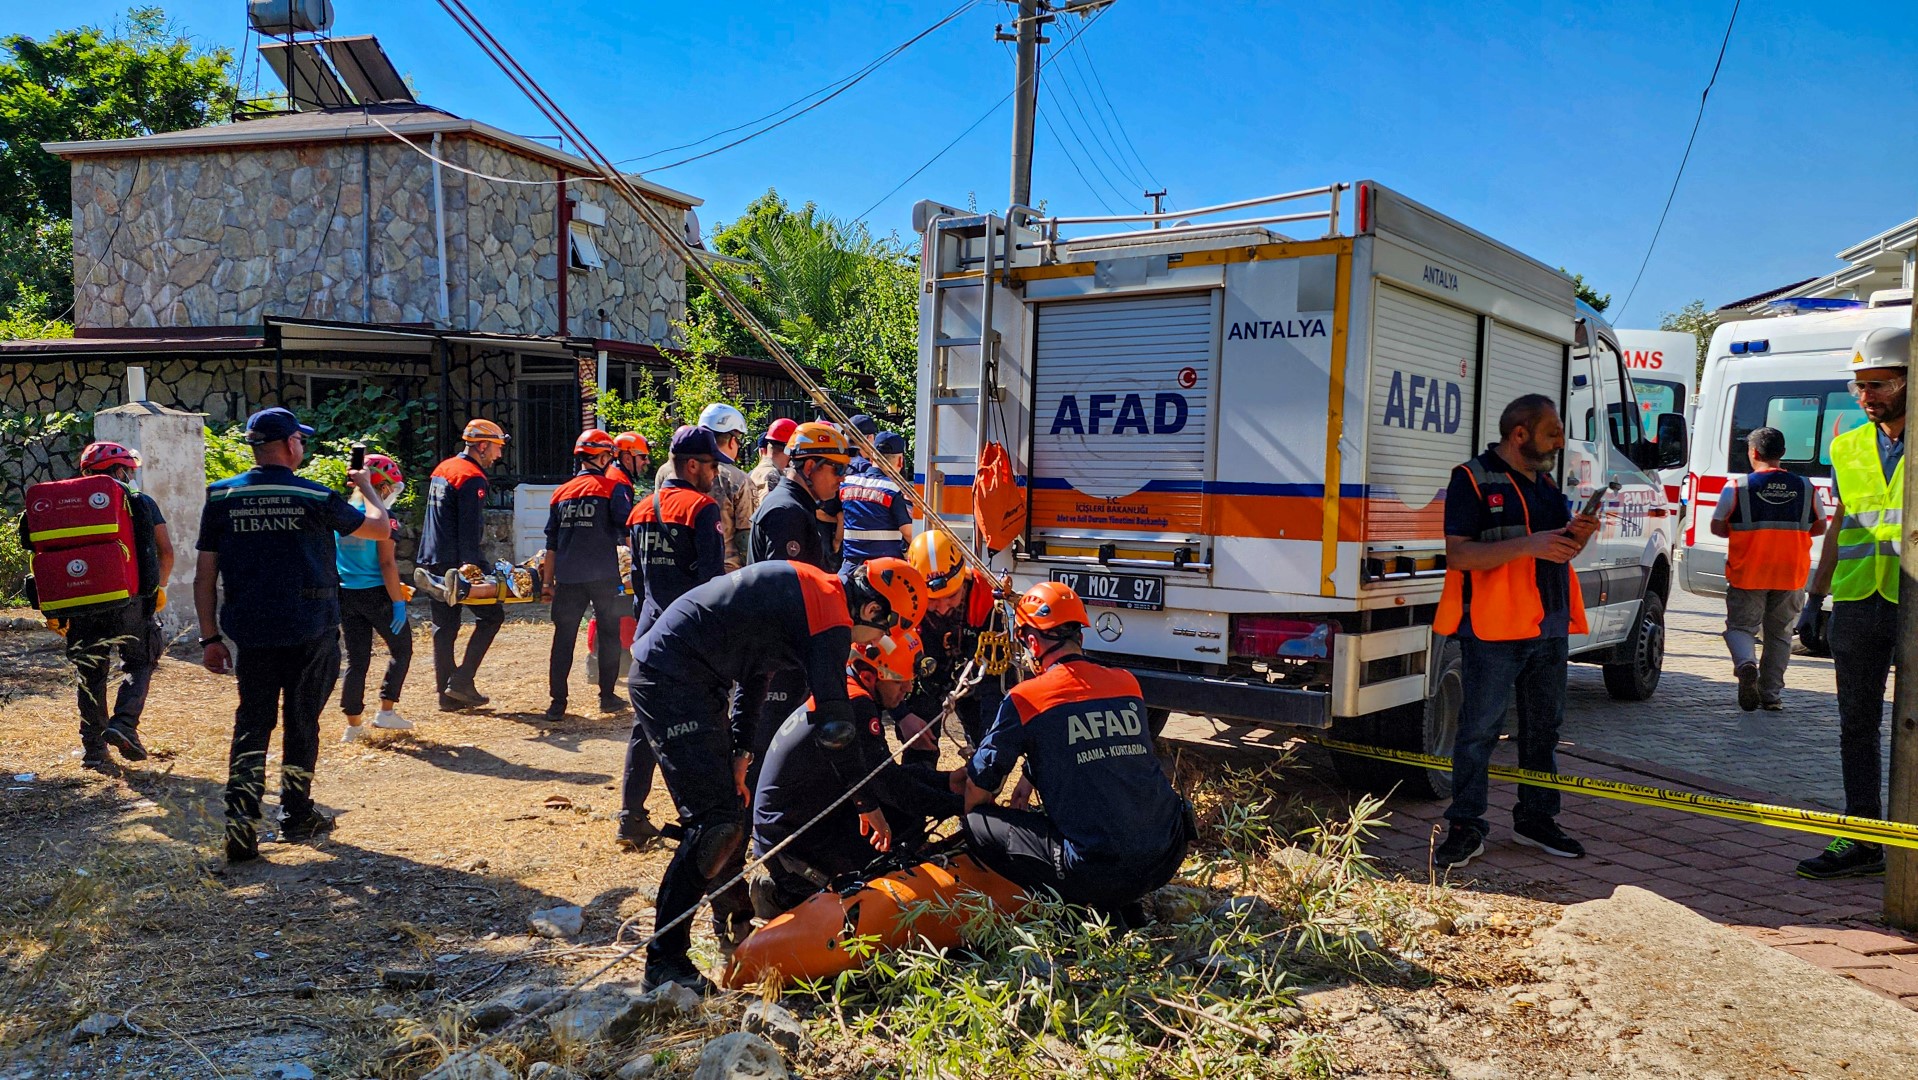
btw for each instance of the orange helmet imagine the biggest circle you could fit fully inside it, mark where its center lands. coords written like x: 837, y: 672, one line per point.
x: 631, y: 442
x: 593, y: 441
x: 101, y: 456
x: 936, y: 555
x: 483, y: 431
x: 1050, y: 606
x: 898, y: 588
x: 894, y: 658
x: 817, y: 440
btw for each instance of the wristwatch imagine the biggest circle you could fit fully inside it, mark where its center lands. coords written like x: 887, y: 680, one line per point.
x: 214, y: 640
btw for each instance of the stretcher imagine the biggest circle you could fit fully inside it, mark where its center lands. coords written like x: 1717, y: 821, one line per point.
x: 916, y: 903
x: 508, y: 583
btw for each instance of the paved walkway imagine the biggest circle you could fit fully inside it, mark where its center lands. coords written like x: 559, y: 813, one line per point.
x: 1690, y: 736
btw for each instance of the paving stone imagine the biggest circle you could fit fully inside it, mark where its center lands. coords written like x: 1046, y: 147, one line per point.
x: 1873, y: 943
x: 1893, y: 981
x: 1833, y: 958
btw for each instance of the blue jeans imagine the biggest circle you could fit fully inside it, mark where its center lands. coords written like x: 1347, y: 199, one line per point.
x: 1493, y: 670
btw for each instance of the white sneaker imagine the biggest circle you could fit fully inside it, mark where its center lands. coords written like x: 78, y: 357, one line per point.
x: 391, y: 720
x: 352, y: 733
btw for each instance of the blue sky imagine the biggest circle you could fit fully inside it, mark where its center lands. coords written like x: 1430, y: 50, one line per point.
x: 1553, y: 126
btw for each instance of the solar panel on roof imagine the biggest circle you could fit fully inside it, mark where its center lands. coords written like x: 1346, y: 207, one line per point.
x: 310, y: 83
x: 366, y: 69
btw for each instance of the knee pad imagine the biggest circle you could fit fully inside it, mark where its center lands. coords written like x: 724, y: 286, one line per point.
x: 714, y: 844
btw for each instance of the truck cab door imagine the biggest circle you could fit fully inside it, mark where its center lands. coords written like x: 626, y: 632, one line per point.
x: 1582, y: 471
x: 1630, y: 535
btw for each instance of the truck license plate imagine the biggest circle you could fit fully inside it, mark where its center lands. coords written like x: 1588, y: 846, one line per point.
x: 1135, y: 591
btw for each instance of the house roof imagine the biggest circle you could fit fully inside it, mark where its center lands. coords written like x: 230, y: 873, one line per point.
x: 1769, y: 294
x: 371, y: 122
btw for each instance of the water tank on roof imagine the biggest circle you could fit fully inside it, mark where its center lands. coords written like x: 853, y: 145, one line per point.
x: 280, y: 18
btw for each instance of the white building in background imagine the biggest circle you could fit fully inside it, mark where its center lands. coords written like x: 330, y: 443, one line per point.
x: 1878, y: 270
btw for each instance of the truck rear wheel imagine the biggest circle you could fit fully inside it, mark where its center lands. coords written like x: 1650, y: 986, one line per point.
x: 1427, y: 727
x: 1636, y: 677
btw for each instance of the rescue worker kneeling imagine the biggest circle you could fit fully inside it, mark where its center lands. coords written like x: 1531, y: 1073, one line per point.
x: 801, y: 778
x: 739, y: 629
x: 1113, y: 828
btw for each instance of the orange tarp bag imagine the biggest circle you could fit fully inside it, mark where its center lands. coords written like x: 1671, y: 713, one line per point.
x: 998, y: 502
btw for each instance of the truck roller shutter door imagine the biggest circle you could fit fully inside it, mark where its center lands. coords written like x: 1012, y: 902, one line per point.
x: 1520, y: 363
x: 1423, y: 373
x: 1122, y: 424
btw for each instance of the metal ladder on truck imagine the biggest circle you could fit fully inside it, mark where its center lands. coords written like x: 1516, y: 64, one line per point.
x: 959, y: 257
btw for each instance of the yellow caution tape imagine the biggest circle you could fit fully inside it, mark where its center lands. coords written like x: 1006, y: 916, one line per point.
x: 1868, y: 830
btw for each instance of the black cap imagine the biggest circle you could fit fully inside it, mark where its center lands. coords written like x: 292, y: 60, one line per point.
x: 693, y: 441
x: 866, y: 424
x: 890, y: 442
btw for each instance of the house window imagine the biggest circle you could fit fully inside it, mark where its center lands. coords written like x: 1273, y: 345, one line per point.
x: 548, y: 423
x: 321, y: 389
x: 585, y: 250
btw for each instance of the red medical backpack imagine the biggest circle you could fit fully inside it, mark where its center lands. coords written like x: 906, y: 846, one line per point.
x: 80, y: 532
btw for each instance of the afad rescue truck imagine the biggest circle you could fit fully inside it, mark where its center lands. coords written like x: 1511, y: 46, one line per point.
x: 1235, y: 445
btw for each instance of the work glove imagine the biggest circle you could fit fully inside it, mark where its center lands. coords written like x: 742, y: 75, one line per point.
x: 1811, y: 621
x: 159, y: 599
x: 58, y: 626
x: 399, y: 616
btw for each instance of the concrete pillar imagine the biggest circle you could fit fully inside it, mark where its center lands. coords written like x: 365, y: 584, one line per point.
x: 172, y: 446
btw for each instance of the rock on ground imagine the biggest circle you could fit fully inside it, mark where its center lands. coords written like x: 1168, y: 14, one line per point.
x: 469, y: 1066
x: 558, y: 922
x: 93, y: 1027
x: 740, y: 1056
x: 284, y: 1070
x: 640, y: 1068
x: 1673, y: 994
x: 507, y: 1005
x: 611, y: 1013
x: 774, y: 1022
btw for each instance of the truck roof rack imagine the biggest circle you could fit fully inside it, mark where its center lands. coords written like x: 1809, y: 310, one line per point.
x: 1050, y: 238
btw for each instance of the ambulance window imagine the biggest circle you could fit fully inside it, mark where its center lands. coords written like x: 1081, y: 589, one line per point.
x: 1656, y: 398
x: 1808, y: 413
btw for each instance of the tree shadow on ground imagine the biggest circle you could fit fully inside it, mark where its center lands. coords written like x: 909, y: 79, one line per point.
x: 466, y: 758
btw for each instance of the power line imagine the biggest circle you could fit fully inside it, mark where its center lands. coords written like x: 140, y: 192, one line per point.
x: 1116, y: 118
x: 1709, y: 83
x: 1110, y: 144
x: 1067, y: 151
x: 836, y: 89
x: 983, y: 117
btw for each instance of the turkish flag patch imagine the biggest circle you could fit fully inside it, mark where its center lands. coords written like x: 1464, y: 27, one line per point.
x: 1496, y: 500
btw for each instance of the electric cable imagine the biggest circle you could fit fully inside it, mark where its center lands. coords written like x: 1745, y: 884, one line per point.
x: 1108, y: 146
x: 855, y: 80
x: 1709, y: 83
x: 1116, y: 118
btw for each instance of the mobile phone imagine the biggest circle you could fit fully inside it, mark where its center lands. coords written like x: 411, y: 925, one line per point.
x: 359, y: 455
x: 1593, y: 504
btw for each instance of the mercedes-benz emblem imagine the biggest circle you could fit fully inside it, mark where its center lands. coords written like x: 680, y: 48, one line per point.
x: 1108, y: 626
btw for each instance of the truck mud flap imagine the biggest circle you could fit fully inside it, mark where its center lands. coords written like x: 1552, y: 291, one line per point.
x: 1225, y: 699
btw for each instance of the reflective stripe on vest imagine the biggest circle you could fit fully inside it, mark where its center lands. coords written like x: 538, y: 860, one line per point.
x: 874, y: 534
x: 1868, y: 534
x: 1506, y: 605
x: 1774, y: 553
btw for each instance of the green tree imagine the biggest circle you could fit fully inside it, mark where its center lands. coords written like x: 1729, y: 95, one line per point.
x: 143, y: 76
x: 1587, y: 293
x: 842, y: 301
x: 1695, y: 319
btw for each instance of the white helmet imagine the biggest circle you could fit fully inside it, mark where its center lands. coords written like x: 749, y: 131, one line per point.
x: 723, y: 419
x: 1885, y: 347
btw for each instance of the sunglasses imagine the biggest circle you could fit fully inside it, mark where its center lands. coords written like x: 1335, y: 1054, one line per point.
x: 939, y: 581
x: 836, y: 467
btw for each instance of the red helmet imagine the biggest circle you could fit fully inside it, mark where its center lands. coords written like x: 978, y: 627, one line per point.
x: 593, y: 441
x: 631, y: 442
x: 383, y: 470
x: 781, y: 430
x: 895, y: 584
x: 101, y: 456
x: 1050, y: 606
x: 894, y: 658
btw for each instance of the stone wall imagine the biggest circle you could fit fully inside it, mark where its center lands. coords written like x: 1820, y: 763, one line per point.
x: 345, y: 231
x: 173, y: 471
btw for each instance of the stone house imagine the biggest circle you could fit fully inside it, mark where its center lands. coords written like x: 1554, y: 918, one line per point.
x: 288, y: 259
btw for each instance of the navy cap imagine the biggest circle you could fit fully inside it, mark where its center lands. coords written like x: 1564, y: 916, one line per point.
x: 272, y: 425
x: 865, y: 424
x: 890, y: 442
x: 693, y: 441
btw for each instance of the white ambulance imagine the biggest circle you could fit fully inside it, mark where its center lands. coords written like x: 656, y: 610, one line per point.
x: 1236, y: 444
x: 1789, y: 373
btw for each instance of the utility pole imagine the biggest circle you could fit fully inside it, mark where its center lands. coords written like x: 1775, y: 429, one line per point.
x: 1901, y: 863
x: 1158, y: 203
x: 1025, y: 98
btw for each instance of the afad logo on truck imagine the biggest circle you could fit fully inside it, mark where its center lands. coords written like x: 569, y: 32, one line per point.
x: 1127, y: 413
x: 1424, y: 403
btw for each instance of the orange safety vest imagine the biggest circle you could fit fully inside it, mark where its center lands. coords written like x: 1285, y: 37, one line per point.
x: 1505, y: 601
x: 1771, y: 540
